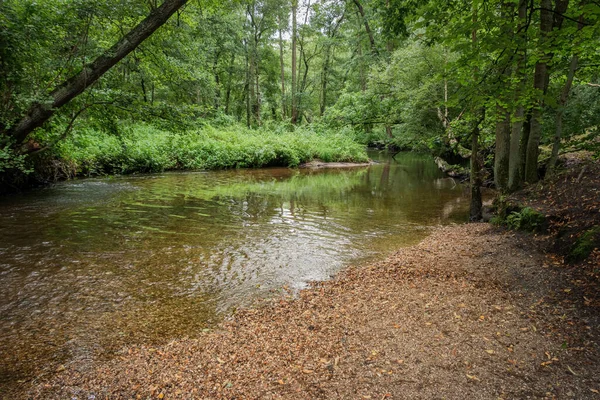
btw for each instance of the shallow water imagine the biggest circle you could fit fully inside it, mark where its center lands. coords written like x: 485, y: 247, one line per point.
x: 91, y: 265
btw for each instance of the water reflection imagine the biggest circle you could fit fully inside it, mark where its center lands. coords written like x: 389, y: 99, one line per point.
x: 89, y: 266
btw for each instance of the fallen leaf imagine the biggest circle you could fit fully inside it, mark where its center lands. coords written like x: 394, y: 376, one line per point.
x: 490, y: 351
x: 472, y: 377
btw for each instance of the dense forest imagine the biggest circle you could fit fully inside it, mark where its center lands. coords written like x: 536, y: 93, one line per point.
x: 125, y: 86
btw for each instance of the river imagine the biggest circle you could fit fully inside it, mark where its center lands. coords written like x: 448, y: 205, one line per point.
x: 89, y: 266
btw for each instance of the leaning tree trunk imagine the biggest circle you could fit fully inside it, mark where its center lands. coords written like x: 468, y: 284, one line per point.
x: 38, y: 113
x: 367, y: 27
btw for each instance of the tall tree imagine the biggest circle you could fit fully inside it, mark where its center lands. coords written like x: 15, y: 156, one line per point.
x: 550, y: 18
x: 294, y: 63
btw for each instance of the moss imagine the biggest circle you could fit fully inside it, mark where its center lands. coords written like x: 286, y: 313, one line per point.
x: 586, y: 243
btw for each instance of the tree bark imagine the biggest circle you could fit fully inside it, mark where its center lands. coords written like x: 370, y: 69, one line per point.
x: 283, y: 113
x: 39, y: 113
x: 229, y: 79
x: 503, y: 128
x: 476, y: 206
x: 502, y: 152
x: 514, y: 165
x: 476, y: 181
x: 548, y: 21
x: 294, y: 34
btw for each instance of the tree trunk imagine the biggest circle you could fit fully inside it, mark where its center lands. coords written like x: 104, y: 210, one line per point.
x: 257, y: 104
x: 475, y: 209
x: 229, y: 79
x: 248, y: 84
x: 39, y: 113
x: 562, y: 101
x: 502, y: 152
x: 367, y: 27
x: 503, y: 128
x: 294, y: 34
x: 559, y: 116
x: 549, y: 19
x: 476, y: 206
x: 217, y: 102
x: 324, y: 74
x: 523, y: 144
x: 326, y: 64
x: 283, y: 113
x: 514, y: 165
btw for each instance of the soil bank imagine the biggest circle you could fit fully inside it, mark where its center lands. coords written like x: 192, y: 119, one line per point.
x: 472, y: 312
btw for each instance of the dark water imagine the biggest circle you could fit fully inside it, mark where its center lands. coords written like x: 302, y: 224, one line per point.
x: 89, y: 266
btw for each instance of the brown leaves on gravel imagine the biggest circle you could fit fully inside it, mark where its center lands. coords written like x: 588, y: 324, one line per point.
x: 464, y: 314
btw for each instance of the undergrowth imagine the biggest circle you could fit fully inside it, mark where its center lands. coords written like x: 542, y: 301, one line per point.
x: 143, y: 148
x: 525, y: 219
x: 585, y: 244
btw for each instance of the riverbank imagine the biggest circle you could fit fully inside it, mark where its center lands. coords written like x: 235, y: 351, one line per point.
x: 142, y: 148
x: 470, y: 312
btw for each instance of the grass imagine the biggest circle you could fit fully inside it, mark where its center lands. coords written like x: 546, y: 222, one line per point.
x: 143, y: 148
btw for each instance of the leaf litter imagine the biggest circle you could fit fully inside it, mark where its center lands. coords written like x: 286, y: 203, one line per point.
x: 470, y: 312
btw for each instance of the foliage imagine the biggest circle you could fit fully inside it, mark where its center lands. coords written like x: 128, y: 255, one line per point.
x: 526, y: 220
x: 10, y: 160
x: 584, y: 246
x: 412, y: 75
x: 144, y: 148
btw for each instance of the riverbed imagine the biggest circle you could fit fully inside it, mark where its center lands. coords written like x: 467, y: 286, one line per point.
x: 89, y: 266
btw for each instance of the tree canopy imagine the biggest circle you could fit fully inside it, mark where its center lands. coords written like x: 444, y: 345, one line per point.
x: 520, y: 75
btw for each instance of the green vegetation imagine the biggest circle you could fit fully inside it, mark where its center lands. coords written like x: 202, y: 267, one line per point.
x: 134, y: 85
x: 526, y: 219
x: 584, y: 246
x: 144, y: 148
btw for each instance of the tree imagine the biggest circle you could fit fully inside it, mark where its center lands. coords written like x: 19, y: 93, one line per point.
x: 38, y: 113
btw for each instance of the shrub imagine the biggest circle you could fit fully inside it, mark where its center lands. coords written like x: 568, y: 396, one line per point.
x: 143, y: 148
x: 584, y: 246
x: 527, y: 220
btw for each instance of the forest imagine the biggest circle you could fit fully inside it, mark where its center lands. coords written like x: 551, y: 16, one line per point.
x: 139, y: 86
x: 269, y: 199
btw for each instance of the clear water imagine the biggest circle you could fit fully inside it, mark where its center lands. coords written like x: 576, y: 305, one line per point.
x: 89, y: 266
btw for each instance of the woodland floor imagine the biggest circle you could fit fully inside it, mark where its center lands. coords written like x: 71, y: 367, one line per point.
x: 471, y: 312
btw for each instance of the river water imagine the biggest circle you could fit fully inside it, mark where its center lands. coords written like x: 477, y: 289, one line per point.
x: 89, y: 266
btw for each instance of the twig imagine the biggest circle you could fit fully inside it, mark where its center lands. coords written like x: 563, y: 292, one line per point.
x: 581, y: 173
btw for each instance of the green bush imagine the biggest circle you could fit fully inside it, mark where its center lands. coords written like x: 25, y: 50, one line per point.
x: 526, y: 220
x: 586, y: 243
